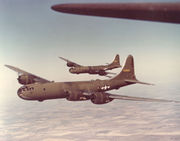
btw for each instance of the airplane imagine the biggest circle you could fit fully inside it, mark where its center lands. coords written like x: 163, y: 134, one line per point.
x: 159, y: 12
x: 40, y: 89
x: 100, y: 70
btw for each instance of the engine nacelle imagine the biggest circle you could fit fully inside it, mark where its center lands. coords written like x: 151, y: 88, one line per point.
x: 76, y: 97
x: 102, y: 72
x: 70, y: 64
x: 26, y: 79
x: 100, y: 98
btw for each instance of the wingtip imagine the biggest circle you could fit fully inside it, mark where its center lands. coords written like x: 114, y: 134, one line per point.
x: 8, y: 66
x: 64, y: 59
x: 61, y: 58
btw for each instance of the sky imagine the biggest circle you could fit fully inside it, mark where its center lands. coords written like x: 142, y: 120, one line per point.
x: 33, y: 36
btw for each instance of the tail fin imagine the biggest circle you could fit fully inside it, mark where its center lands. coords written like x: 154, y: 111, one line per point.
x: 116, y: 62
x: 128, y: 70
x: 127, y: 74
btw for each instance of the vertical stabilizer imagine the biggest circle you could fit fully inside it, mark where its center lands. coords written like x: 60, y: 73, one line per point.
x: 128, y: 70
x: 115, y: 63
x: 127, y: 74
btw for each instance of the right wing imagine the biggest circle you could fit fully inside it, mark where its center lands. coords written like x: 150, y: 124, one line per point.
x: 70, y: 63
x: 131, y: 98
x: 22, y: 72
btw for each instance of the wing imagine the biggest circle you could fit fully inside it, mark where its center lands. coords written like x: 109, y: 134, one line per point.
x: 22, y: 72
x: 70, y: 63
x: 160, y: 12
x: 131, y: 98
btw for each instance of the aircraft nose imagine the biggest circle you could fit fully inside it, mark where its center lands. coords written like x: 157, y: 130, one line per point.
x: 19, y: 91
x: 22, y: 95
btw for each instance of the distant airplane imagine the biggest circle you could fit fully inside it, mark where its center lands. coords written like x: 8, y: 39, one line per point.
x: 37, y: 88
x: 160, y: 12
x: 101, y: 69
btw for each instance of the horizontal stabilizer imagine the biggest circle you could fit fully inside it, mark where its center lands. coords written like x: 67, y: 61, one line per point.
x: 108, y: 76
x: 136, y: 81
x: 111, y: 73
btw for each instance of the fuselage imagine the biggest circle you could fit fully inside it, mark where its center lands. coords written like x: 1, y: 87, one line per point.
x: 54, y: 90
x: 93, y: 69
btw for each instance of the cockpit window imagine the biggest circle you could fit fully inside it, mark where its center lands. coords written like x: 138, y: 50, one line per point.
x: 25, y: 88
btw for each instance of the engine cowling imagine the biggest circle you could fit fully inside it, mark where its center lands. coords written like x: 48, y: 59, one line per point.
x: 100, y: 98
x: 102, y: 72
x: 70, y: 64
x: 25, y: 79
x: 76, y: 97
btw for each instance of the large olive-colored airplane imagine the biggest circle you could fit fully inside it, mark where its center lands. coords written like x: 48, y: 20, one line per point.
x: 159, y: 12
x: 37, y: 88
x: 101, y: 69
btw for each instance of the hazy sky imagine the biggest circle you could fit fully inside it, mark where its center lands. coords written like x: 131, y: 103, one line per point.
x: 33, y: 36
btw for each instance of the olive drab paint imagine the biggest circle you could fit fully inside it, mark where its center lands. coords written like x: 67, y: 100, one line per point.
x: 40, y: 89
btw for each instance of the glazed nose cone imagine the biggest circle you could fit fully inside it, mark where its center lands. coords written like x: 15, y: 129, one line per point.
x: 19, y: 93
x: 22, y: 95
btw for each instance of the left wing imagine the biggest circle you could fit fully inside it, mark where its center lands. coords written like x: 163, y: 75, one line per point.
x: 70, y: 63
x: 123, y: 97
x: 22, y: 72
x: 159, y: 12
